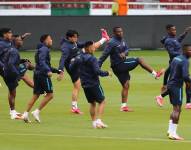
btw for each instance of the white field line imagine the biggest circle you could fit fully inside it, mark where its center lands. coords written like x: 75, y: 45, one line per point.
x: 97, y: 137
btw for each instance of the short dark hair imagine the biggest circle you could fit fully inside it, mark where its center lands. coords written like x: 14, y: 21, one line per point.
x: 185, y: 46
x: 4, y: 31
x: 16, y: 35
x: 44, y: 37
x: 88, y: 43
x: 168, y: 26
x: 71, y: 33
x: 115, y: 28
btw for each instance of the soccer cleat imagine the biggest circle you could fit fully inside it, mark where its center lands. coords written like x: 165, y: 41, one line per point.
x: 188, y: 106
x: 15, y: 115
x: 125, y: 109
x: 104, y: 34
x: 26, y: 118
x: 159, y: 100
x: 76, y: 111
x: 175, y: 137
x: 159, y: 73
x: 36, y: 116
x: 102, y: 124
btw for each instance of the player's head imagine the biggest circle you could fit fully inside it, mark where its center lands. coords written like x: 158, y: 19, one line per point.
x: 72, y: 36
x: 18, y: 41
x: 6, y: 33
x: 46, y: 39
x: 187, y: 50
x: 118, y: 32
x: 171, y: 29
x: 89, y: 47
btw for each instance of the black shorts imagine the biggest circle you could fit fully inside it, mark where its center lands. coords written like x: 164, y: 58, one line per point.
x: 94, y: 94
x: 175, y: 95
x: 42, y: 84
x: 11, y: 82
x: 122, y: 70
x: 74, y: 73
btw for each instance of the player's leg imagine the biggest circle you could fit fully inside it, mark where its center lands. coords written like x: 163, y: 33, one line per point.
x: 148, y: 68
x: 75, y: 77
x: 93, y: 113
x: 29, y: 107
x: 124, y: 97
x: 75, y: 94
x: 28, y: 80
x: 176, y: 97
x: 122, y: 73
x: 46, y: 86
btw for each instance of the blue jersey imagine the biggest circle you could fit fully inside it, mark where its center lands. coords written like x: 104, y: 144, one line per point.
x: 12, y: 62
x: 42, y: 60
x: 69, y: 51
x: 179, y: 71
x: 89, y: 70
x: 113, y: 49
x: 173, y: 45
x: 4, y: 47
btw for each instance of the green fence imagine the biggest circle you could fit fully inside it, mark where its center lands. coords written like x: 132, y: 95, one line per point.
x: 70, y: 8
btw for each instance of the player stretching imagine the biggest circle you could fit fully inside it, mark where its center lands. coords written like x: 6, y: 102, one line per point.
x: 70, y: 49
x: 117, y: 49
x: 179, y: 73
x: 42, y: 78
x: 174, y: 48
x: 89, y: 75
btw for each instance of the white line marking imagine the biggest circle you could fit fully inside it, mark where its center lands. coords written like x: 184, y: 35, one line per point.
x: 96, y: 137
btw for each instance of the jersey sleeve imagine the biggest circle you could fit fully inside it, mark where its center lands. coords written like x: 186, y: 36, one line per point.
x: 65, y: 53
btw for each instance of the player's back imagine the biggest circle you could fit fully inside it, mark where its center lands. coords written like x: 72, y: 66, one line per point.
x: 42, y: 59
x: 88, y: 66
x: 178, y: 70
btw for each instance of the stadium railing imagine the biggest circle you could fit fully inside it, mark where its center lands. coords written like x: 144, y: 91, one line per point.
x: 91, y: 8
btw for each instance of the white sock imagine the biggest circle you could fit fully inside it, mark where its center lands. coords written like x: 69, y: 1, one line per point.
x: 12, y: 111
x: 74, y: 104
x: 123, y: 104
x: 98, y: 121
x: 170, y: 127
x: 154, y: 73
x: 26, y: 113
x: 102, y: 41
x: 94, y: 123
x: 174, y: 128
x: 37, y: 110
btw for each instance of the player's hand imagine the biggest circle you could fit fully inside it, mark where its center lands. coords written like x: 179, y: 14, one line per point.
x: 60, y: 76
x: 188, y: 29
x: 49, y: 74
x: 110, y: 73
x: 26, y: 34
x: 104, y: 34
x: 122, y: 55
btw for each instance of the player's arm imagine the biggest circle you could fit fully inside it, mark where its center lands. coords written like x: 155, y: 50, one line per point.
x: 11, y: 63
x: 97, y: 69
x: 1, y: 53
x: 64, y: 56
x: 185, y: 72
x: 105, y: 54
x: 125, y: 53
x: 183, y: 35
x: 25, y: 35
x: 43, y: 52
x: 169, y: 45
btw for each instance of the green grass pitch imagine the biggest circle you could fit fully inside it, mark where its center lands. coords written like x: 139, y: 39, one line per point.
x: 143, y: 129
